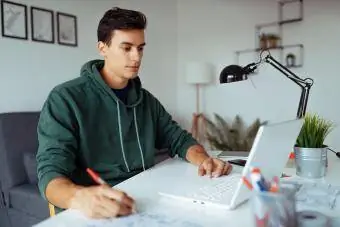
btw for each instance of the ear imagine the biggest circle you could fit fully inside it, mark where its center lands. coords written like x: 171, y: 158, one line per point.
x: 102, y: 48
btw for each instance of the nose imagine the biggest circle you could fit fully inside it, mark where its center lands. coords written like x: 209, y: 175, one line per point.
x: 135, y: 54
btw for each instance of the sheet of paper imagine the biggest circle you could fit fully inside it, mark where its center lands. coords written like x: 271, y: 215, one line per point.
x: 159, y: 214
x: 149, y: 219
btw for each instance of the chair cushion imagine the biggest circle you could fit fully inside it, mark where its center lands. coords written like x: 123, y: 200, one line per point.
x: 26, y: 198
x: 30, y: 164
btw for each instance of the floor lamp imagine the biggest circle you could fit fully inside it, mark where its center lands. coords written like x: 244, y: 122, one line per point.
x: 198, y: 74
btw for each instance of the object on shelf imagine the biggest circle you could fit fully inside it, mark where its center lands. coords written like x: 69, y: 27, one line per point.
x: 290, y: 60
x: 263, y: 42
x: 268, y: 41
x: 273, y: 40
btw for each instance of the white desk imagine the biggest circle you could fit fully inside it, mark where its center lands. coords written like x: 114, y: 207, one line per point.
x: 145, y: 186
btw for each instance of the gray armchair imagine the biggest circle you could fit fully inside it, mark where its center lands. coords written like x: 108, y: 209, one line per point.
x: 21, y: 205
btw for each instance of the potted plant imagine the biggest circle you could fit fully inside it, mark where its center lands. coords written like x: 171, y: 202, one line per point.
x: 263, y: 42
x: 273, y: 40
x: 310, y: 150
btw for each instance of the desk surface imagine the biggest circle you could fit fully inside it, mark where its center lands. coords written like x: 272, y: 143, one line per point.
x: 145, y: 187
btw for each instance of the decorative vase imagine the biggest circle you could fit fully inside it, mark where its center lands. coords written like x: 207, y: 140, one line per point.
x: 290, y: 60
x: 311, y: 162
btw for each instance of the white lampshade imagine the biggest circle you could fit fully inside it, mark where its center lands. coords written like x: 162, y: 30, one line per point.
x: 198, y: 73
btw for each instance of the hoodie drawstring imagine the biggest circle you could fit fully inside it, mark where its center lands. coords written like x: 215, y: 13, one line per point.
x: 121, y: 137
x: 140, y: 147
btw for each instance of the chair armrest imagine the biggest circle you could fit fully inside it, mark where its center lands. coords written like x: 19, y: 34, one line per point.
x: 52, y: 209
x: 2, y: 200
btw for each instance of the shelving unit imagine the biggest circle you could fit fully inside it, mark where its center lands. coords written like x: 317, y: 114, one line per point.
x: 279, y: 24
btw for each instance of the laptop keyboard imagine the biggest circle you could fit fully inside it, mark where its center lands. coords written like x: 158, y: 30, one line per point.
x: 218, y: 189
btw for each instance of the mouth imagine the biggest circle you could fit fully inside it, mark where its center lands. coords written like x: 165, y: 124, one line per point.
x: 133, y: 68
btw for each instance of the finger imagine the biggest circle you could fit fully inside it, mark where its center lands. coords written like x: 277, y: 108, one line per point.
x: 201, y: 170
x: 112, y: 208
x: 218, y: 171
x: 120, y: 209
x: 98, y: 213
x: 208, y: 166
x: 102, y: 211
x: 124, y: 210
x: 118, y: 195
x: 227, y: 169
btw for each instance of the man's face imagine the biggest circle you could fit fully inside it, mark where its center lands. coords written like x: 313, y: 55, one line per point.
x: 124, y: 55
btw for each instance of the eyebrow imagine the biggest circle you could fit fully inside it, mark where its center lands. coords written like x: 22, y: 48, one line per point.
x: 131, y: 44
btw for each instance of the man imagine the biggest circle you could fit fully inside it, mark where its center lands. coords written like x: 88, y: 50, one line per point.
x: 106, y: 121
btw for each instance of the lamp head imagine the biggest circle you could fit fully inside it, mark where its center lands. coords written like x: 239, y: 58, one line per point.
x: 235, y: 73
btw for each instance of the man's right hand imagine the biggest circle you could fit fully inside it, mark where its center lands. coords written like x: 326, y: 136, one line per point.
x: 102, y: 202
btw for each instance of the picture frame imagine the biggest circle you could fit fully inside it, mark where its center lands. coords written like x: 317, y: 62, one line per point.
x: 67, y: 29
x: 42, y: 25
x: 14, y: 20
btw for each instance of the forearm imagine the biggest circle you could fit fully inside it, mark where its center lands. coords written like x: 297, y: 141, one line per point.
x: 61, y: 191
x: 196, y: 154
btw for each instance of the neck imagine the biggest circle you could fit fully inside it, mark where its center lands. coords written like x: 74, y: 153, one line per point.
x: 112, y: 79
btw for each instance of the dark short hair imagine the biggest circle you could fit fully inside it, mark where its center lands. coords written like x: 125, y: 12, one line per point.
x: 118, y: 18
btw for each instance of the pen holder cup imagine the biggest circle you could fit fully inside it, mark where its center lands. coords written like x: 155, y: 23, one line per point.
x: 272, y: 209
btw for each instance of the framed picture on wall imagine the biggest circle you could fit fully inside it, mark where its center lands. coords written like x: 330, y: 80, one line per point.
x: 67, y: 29
x: 14, y: 20
x: 42, y: 25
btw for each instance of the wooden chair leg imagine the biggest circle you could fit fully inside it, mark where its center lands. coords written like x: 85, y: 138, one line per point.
x: 52, y: 209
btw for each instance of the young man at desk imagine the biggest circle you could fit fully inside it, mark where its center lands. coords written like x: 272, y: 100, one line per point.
x: 106, y: 121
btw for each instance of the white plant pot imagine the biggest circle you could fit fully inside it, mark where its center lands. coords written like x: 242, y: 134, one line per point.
x: 311, y: 162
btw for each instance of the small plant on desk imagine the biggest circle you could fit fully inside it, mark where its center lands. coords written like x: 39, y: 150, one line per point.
x: 310, y: 149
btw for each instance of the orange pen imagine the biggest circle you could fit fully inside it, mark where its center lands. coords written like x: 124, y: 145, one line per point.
x: 95, y: 176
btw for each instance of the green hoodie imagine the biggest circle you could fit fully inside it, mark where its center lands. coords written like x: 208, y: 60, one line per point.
x: 83, y: 124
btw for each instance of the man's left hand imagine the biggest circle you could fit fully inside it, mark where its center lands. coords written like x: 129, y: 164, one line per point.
x: 214, y: 167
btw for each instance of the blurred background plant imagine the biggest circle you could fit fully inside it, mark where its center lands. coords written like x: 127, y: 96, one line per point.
x: 234, y: 136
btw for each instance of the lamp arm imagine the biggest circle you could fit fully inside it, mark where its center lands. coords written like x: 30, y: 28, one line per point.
x: 305, y: 84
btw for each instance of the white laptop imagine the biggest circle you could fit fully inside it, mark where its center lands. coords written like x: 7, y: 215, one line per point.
x: 270, y: 152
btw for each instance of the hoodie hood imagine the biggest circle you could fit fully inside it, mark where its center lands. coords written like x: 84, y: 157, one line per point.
x: 92, y: 69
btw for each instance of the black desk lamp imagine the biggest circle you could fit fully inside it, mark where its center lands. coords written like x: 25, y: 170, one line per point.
x: 234, y: 73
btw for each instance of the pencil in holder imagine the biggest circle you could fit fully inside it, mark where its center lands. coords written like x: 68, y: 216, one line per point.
x: 272, y: 209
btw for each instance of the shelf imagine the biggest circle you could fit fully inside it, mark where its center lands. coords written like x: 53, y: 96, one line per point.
x: 276, y: 48
x: 295, y: 66
x: 283, y: 51
x: 289, y: 1
x: 277, y: 23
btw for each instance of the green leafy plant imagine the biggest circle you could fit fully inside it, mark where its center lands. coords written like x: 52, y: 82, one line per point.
x: 231, y: 137
x: 314, y: 131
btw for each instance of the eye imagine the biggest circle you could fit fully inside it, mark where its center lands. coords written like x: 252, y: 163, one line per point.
x: 140, y: 49
x: 127, y: 49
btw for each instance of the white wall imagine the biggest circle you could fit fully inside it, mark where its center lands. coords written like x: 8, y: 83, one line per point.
x: 29, y: 69
x: 212, y: 30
